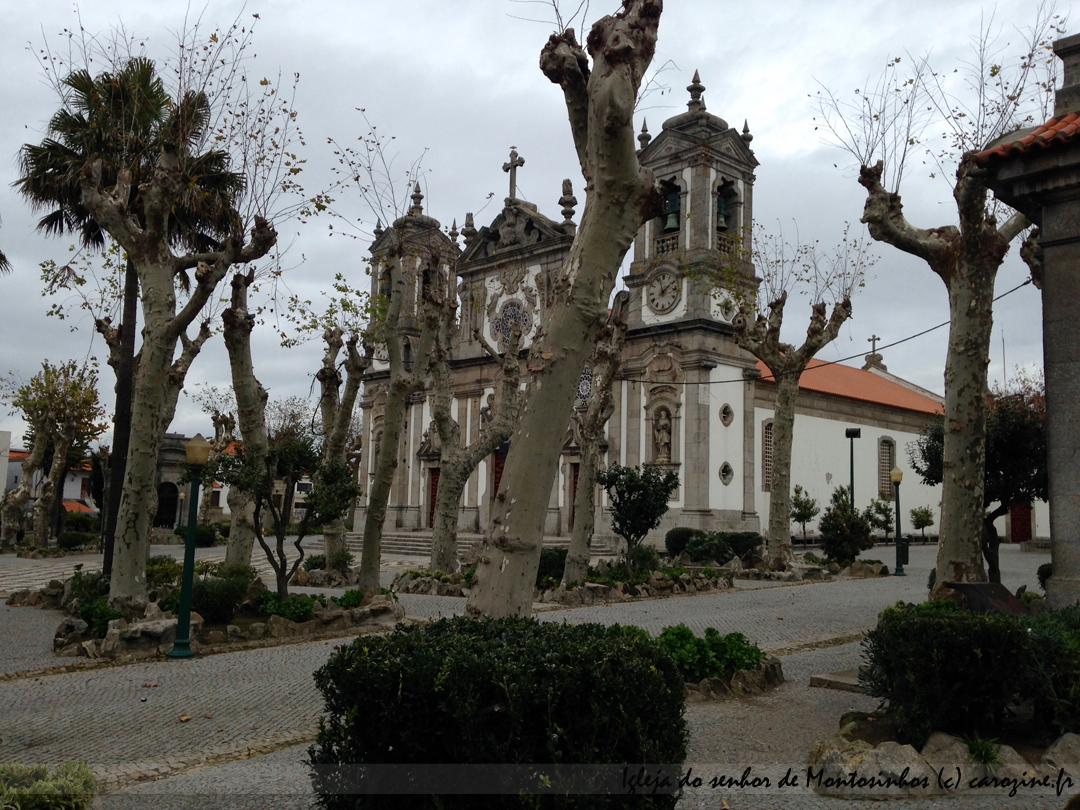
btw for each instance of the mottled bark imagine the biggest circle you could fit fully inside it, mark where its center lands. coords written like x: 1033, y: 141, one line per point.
x: 51, y: 490
x: 967, y: 259
x: 457, y: 461
x: 157, y: 382
x: 761, y: 338
x: 619, y: 195
x: 14, y: 502
x: 251, y: 400
x: 336, y: 408
x: 403, y: 384
x: 122, y: 359
x: 590, y: 423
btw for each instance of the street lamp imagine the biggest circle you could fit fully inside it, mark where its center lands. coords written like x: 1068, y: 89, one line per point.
x: 197, y: 452
x: 853, y: 434
x: 897, y: 475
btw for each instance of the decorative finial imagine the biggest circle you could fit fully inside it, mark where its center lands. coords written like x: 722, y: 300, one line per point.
x: 378, y: 228
x: 644, y: 137
x: 469, y: 231
x: 512, y: 167
x: 417, y: 201
x: 454, y: 232
x: 567, y: 201
x: 696, y: 88
x: 746, y: 136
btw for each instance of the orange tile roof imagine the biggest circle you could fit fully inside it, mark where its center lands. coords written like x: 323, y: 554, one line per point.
x: 1052, y: 132
x: 854, y: 383
x: 18, y: 455
x: 75, y: 506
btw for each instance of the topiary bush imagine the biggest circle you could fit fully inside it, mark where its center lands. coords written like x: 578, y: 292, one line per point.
x: 714, y: 656
x: 69, y: 541
x: 217, y: 599
x: 31, y: 787
x: 550, y: 571
x: 844, y: 532
x: 709, y: 548
x: 1045, y: 571
x: 676, y: 539
x: 509, y: 691
x: 943, y: 668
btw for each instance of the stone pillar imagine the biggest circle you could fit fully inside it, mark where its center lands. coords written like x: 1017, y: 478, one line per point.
x: 1044, y: 184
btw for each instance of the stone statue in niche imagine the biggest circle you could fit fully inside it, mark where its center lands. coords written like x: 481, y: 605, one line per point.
x: 662, y: 436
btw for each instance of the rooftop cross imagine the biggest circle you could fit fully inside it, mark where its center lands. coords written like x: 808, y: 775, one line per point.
x: 512, y: 167
x: 872, y: 340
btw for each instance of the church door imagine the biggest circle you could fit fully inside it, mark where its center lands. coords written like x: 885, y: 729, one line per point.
x: 168, y: 500
x: 1020, y: 523
x: 433, y: 491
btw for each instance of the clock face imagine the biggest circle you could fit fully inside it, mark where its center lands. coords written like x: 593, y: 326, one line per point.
x: 663, y: 292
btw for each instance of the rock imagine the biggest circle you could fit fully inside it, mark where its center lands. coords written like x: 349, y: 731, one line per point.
x: 1065, y: 753
x: 833, y: 568
x: 844, y: 572
x: 70, y: 650
x: 402, y: 582
x: 317, y: 578
x: 91, y: 648
x: 833, y: 761
x: 772, y: 672
x: 153, y: 612
x: 279, y: 627
x: 302, y: 577
x: 943, y: 750
x: 69, y: 593
x: 215, y: 637
x: 256, y: 630
x: 234, y: 632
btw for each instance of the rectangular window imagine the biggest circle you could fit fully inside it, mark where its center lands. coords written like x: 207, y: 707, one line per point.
x: 766, y: 457
x: 886, y: 461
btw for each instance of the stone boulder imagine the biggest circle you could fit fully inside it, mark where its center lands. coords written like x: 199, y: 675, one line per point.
x: 1064, y: 754
x: 853, y: 769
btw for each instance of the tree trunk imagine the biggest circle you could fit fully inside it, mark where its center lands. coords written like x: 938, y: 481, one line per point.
x: 336, y: 407
x: 991, y: 543
x: 778, y: 550
x: 251, y: 400
x: 619, y: 195
x: 401, y: 388
x: 457, y: 461
x: 14, y: 502
x: 605, y: 360
x: 967, y: 260
x: 125, y: 373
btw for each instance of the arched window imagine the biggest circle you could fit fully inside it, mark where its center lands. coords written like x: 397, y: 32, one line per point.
x: 886, y: 461
x: 766, y: 456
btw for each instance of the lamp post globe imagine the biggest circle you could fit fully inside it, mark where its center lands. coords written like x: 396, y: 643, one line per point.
x: 896, y: 475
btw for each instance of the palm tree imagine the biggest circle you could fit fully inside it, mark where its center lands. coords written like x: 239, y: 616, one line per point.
x: 123, y: 119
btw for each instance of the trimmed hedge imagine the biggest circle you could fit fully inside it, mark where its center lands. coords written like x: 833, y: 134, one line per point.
x: 676, y: 539
x: 205, y: 536
x: 708, y: 548
x: 31, y: 787
x: 944, y: 668
x: 714, y: 656
x: 513, y: 691
x: 73, y: 540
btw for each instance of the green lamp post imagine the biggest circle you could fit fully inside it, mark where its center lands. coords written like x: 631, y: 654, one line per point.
x: 852, y: 434
x: 197, y: 452
x: 897, y: 475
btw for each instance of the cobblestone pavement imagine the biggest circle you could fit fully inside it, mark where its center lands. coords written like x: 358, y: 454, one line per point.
x: 259, y: 701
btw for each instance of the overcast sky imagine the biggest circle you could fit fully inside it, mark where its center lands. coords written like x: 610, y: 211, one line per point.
x: 461, y: 80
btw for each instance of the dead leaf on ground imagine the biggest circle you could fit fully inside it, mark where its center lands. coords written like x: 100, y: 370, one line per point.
x: 184, y: 718
x: 208, y: 716
x: 150, y: 686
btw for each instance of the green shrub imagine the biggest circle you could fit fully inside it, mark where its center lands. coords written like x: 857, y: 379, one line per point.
x: 844, y: 533
x: 72, y: 540
x: 943, y: 668
x: 295, y: 607
x: 709, y: 548
x: 646, y: 559
x: 163, y: 570
x: 98, y: 614
x: 88, y: 587
x: 350, y: 599
x: 204, y: 535
x: 714, y: 656
x: 82, y: 522
x: 340, y: 561
x: 240, y: 571
x: 1045, y: 571
x: 709, y: 573
x: 676, y: 539
x: 217, y: 599
x: 512, y: 690
x: 31, y: 787
x: 742, y: 542
x: 314, y: 561
x: 552, y: 563
x: 1053, y: 668
x: 224, y: 528
x: 469, y: 577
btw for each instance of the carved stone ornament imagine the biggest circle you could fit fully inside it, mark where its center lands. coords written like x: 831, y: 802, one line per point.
x: 727, y: 415
x: 512, y: 313
x: 726, y: 474
x: 585, y: 384
x: 662, y: 436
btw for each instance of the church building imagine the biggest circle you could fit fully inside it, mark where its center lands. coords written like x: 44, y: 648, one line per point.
x: 687, y: 398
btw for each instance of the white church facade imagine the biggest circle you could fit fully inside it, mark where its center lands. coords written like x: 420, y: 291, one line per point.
x: 686, y: 397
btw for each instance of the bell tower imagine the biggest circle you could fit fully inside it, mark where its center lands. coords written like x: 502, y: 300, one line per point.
x: 705, y: 170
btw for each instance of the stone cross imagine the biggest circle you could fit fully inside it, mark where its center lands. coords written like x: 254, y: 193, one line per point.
x: 872, y: 340
x: 512, y: 167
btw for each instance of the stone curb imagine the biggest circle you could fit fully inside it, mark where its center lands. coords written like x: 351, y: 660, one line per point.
x: 111, y: 778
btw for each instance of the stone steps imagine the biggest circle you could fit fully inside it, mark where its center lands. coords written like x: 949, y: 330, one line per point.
x: 418, y: 544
